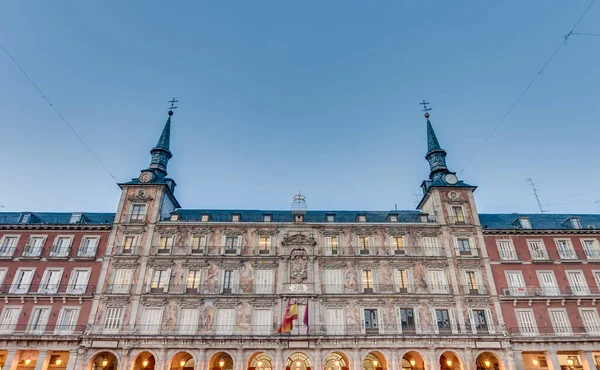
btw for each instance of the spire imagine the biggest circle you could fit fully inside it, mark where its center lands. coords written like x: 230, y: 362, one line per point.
x: 432, y: 141
x: 165, y: 137
x: 161, y: 153
x: 436, y: 156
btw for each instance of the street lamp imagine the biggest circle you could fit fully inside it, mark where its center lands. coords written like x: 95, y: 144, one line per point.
x: 182, y: 363
x: 27, y: 361
x: 298, y: 363
x: 58, y: 362
x: 337, y: 363
x: 487, y: 363
x: 449, y: 363
x: 259, y: 363
x: 413, y: 362
x: 535, y: 362
x: 144, y: 363
x: 222, y: 363
x: 104, y: 363
x: 375, y: 362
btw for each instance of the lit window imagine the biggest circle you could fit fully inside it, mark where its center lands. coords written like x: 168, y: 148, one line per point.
x: 367, y: 280
x: 457, y: 213
x: 204, y: 218
x: 266, y: 218
x: 264, y: 245
x: 235, y: 218
x: 330, y: 218
x: 362, y: 218
x: 398, y: 244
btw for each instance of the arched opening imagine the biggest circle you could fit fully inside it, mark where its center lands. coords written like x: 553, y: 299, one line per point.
x: 144, y: 361
x: 413, y: 361
x: 487, y: 361
x: 105, y: 361
x: 375, y: 361
x: 337, y: 361
x: 27, y: 360
x: 298, y: 361
x: 449, y: 361
x: 182, y: 361
x: 221, y: 361
x: 260, y: 361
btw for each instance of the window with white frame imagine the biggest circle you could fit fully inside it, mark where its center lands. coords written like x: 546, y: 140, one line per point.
x: 537, y: 250
x: 371, y: 320
x: 165, y: 244
x: 590, y: 319
x: 38, y: 320
x: 591, y: 248
x: 113, y: 317
x: 267, y: 218
x: 129, y: 244
x: 595, y: 272
x: 22, y: 280
x: 506, y: 249
x: 50, y: 280
x: 463, y: 246
x: 525, y: 223
x: 188, y: 321
x: 225, y: 321
x: 577, y: 282
x: 34, y: 246
x: 78, y: 281
x: 61, y: 246
x: 192, y: 284
x: 472, y: 282
x: 408, y: 320
x: 362, y: 218
x: 230, y: 281
x: 402, y: 283
x: 3, y: 272
x: 516, y: 283
x: 331, y: 246
x: 232, y: 244
x: 437, y: 281
x: 548, y: 284
x: 480, y: 320
x: 235, y: 218
x: 430, y: 246
x: 560, y: 321
x: 363, y: 245
x: 446, y: 322
x: 88, y: 246
x: 264, y: 245
x: 526, y: 322
x: 122, y: 280
x: 9, y: 319
x: 138, y: 213
x: 262, y: 321
x: 67, y: 321
x: 198, y: 244
x: 264, y: 282
x: 8, y: 244
x: 334, y: 321
x: 458, y: 215
x: 205, y: 218
x: 565, y: 249
x: 333, y: 281
x: 160, y: 281
x: 150, y: 320
x: 367, y: 281
x: 398, y: 246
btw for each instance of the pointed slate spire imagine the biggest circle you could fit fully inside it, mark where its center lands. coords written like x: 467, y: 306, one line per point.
x: 432, y: 141
x: 160, y: 153
x: 436, y: 156
x: 165, y: 137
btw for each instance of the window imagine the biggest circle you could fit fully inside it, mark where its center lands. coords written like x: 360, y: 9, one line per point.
x: 548, y: 283
x: 88, y: 246
x: 591, y: 248
x: 331, y: 246
x: 398, y: 245
x: 3, y: 271
x: 9, y: 319
x: 264, y: 245
x: 525, y: 223
x: 464, y: 248
x: 367, y: 281
x: 22, y: 281
x: 160, y: 281
x: 363, y: 245
x: 192, y: 284
x: 204, y: 218
x: 403, y: 281
x: 262, y: 322
x: 480, y: 320
x: 457, y: 214
x: 61, y: 246
x: 38, y: 320
x: 128, y: 244
x: 264, y: 282
x: 227, y: 281
x: 330, y: 218
x: 472, y: 282
x: 225, y: 321
x: 565, y: 249
x: 165, y: 243
x: 430, y: 246
x: 577, y: 283
x: 188, y: 321
x: 371, y: 324
x: 334, y: 321
x: 407, y: 319
x: 506, y: 250
x: 34, y: 246
x: 443, y: 320
x: 526, y: 323
x: 437, y: 281
x: 575, y: 223
x: 50, y: 281
x: 150, y: 321
x: 560, y: 321
x: 516, y: 284
x: 589, y: 316
x: 235, y: 218
x: 197, y: 243
x: 596, y: 277
x: 267, y: 218
x: 361, y: 218
x: 78, y: 281
x: 75, y: 218
x: 393, y: 218
x: 231, y: 244
x: 537, y: 250
x: 8, y: 246
x: 333, y: 281
x: 122, y: 281
x: 112, y: 319
x: 138, y: 213
x: 67, y: 321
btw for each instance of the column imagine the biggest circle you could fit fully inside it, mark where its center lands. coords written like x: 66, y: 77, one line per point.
x: 356, y: 360
x: 124, y: 362
x: 516, y: 362
x: 161, y: 361
x: 394, y: 363
x: 587, y: 360
x: 552, y: 359
x: 42, y: 360
x: 240, y: 360
x: 11, y: 363
x: 73, y: 358
x: 201, y: 359
x: 278, y: 360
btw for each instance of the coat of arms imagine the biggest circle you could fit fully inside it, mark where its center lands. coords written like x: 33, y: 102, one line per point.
x: 298, y: 263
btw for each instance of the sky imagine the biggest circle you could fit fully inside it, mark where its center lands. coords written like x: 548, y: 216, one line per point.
x: 321, y: 97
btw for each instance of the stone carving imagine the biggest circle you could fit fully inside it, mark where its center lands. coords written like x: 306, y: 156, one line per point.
x: 299, y: 239
x: 246, y: 278
x: 298, y: 265
x: 350, y: 279
x: 140, y: 196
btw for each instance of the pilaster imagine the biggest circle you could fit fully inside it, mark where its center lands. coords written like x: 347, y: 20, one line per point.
x: 587, y: 360
x: 42, y: 360
x: 552, y: 359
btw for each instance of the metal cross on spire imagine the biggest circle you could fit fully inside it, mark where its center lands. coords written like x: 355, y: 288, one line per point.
x: 172, y: 106
x: 425, y: 109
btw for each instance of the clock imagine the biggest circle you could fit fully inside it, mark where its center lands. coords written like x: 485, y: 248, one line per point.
x: 146, y: 176
x: 451, y: 179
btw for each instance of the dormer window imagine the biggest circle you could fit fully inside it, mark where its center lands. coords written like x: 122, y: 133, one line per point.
x: 26, y: 218
x: 75, y: 218
x: 235, y: 217
x: 361, y: 218
x: 575, y: 223
x: 205, y: 217
x: 298, y: 218
x: 267, y: 218
x: 424, y: 218
x: 174, y: 217
x: 393, y: 218
x: 525, y: 223
x: 330, y: 217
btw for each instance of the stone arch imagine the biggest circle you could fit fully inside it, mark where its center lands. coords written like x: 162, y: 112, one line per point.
x: 260, y: 361
x: 221, y: 360
x: 182, y: 360
x: 413, y: 360
x: 375, y: 360
x: 298, y: 361
x: 97, y: 360
x: 144, y: 360
x: 450, y: 360
x: 488, y: 360
x: 336, y: 360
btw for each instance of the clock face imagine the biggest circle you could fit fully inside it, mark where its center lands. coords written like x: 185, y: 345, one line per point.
x: 451, y: 179
x: 146, y: 176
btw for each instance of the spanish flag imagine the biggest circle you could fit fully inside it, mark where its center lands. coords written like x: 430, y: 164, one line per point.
x: 291, y: 314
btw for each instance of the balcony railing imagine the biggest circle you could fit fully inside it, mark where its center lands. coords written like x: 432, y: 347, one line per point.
x: 33, y: 252
x: 118, y: 288
x: 559, y: 291
x: 385, y: 288
x: 59, y: 252
x: 467, y: 252
x: 545, y: 331
x: 7, y: 329
x: 83, y: 253
x: 7, y: 252
x: 458, y: 220
x: 131, y: 250
x: 475, y: 289
x: 134, y: 218
x: 508, y: 255
x: 47, y: 289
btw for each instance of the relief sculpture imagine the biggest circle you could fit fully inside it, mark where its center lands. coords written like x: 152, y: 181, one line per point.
x: 298, y: 266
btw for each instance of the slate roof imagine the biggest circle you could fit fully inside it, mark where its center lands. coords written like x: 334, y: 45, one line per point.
x: 538, y: 221
x: 287, y: 216
x: 432, y: 142
x: 55, y: 218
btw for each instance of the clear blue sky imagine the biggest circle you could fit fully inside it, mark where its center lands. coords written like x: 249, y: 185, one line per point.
x: 281, y: 96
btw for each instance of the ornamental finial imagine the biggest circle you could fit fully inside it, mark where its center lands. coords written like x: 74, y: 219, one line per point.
x: 172, y: 106
x: 425, y: 109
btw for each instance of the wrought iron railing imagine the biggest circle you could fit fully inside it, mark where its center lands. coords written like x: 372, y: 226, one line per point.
x: 7, y: 329
x: 46, y: 289
x: 558, y: 291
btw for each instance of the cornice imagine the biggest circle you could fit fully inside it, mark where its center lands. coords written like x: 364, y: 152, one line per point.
x: 56, y: 227
x: 540, y: 231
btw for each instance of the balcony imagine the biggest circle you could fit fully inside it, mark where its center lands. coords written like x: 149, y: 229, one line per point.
x: 458, y: 220
x: 33, y: 252
x: 59, y: 252
x: 383, y: 289
x: 545, y: 331
x: 548, y: 292
x: 7, y: 252
x: 509, y: 256
x: 25, y: 330
x: 118, y: 289
x: 134, y: 218
x: 122, y: 250
x: 470, y: 252
x: 161, y: 250
x: 47, y: 289
x: 475, y: 289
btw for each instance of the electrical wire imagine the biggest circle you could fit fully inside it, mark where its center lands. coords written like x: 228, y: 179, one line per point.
x: 58, y: 113
x: 29, y: 199
x: 564, y: 41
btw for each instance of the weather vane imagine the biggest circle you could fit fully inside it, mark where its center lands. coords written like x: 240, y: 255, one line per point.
x: 425, y: 109
x: 174, y: 107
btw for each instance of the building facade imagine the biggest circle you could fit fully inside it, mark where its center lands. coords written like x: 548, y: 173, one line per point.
x: 200, y: 289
